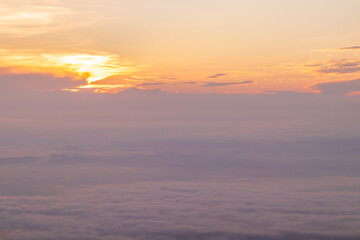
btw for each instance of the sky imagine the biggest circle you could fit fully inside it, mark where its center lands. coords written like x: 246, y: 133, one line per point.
x: 183, y: 46
x: 179, y: 120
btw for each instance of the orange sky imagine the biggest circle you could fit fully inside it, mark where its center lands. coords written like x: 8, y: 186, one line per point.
x: 200, y: 46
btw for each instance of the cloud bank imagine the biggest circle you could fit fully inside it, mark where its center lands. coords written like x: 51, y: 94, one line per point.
x: 338, y: 88
x: 150, y: 165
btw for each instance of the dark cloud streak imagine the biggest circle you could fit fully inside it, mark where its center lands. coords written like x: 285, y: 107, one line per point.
x: 221, y: 84
x: 350, y: 48
x: 217, y: 75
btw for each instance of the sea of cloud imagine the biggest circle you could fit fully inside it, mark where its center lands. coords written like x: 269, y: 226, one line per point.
x: 159, y: 166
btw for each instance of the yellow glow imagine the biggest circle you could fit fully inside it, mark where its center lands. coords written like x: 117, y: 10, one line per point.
x: 89, y: 67
x: 99, y: 88
x: 71, y: 90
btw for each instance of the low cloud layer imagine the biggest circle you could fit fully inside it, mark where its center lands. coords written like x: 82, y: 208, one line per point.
x: 150, y: 165
x: 19, y: 83
x: 154, y: 208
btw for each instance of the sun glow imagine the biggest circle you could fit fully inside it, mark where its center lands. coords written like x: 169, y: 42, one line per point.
x: 89, y: 67
x: 101, y: 88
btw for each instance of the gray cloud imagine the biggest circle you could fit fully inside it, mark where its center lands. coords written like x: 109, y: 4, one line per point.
x: 220, y: 84
x: 164, y: 83
x: 217, y: 75
x: 291, y: 93
x: 350, y: 48
x: 168, y: 78
x: 191, y: 82
x: 152, y: 84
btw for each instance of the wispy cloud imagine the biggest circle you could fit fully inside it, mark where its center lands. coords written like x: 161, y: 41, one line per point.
x: 220, y: 84
x: 334, y: 50
x: 333, y: 66
x: 29, y: 20
x: 343, y: 66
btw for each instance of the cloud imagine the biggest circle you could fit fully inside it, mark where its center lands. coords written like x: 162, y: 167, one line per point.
x: 340, y: 88
x: 191, y: 82
x: 290, y: 93
x: 319, y: 68
x: 164, y: 83
x: 29, y: 20
x: 217, y: 75
x: 220, y: 84
x: 337, y: 67
x: 350, y: 48
x: 168, y: 166
x: 169, y: 78
x: 143, y: 92
x: 221, y: 209
x: 152, y: 84
x: 340, y: 67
